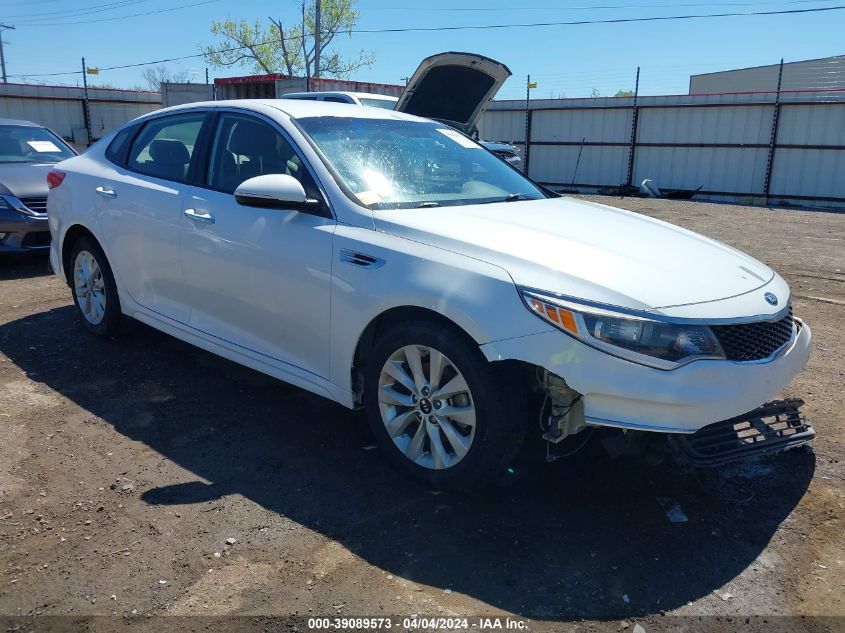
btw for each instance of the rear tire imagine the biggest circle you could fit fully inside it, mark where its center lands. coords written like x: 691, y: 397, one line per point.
x: 93, y: 287
x: 438, y: 410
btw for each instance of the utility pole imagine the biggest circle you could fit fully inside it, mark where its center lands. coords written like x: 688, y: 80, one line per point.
x: 2, y: 52
x: 86, y: 110
x: 318, y: 28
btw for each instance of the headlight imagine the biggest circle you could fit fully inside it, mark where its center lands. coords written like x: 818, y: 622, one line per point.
x: 660, y: 344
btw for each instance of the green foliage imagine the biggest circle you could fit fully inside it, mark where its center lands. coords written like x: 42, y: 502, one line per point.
x: 273, y: 47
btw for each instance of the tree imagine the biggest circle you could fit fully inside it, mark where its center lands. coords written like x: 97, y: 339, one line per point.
x: 274, y: 47
x: 624, y: 93
x: 154, y: 76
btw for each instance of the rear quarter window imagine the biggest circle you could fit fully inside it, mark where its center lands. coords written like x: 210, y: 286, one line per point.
x: 119, y: 147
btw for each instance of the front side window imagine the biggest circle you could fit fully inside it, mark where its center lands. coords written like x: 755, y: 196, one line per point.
x: 30, y: 144
x: 245, y: 147
x: 389, y: 164
x: 165, y: 146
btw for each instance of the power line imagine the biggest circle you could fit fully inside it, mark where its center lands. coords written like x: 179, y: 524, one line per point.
x: 455, y: 28
x: 74, y: 12
x: 122, y: 17
x: 661, y: 18
x: 597, y: 7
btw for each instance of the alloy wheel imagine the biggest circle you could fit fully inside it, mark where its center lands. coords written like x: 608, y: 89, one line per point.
x: 426, y: 407
x: 89, y: 287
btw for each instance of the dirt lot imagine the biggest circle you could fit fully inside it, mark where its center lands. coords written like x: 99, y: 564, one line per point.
x: 126, y: 466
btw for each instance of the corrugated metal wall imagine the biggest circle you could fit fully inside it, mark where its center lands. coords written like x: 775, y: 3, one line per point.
x: 811, y: 74
x: 721, y: 143
x: 61, y: 108
x: 173, y: 93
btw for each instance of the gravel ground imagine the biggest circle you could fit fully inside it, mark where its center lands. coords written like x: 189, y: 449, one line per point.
x: 143, y: 476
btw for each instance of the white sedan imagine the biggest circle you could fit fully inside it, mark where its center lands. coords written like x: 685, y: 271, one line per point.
x: 389, y: 262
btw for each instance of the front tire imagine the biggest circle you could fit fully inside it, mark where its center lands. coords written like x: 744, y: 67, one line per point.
x: 93, y: 287
x: 439, y: 411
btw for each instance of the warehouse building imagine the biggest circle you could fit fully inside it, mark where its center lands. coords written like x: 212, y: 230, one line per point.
x: 823, y: 74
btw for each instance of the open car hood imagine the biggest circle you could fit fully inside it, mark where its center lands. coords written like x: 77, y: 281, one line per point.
x: 453, y: 88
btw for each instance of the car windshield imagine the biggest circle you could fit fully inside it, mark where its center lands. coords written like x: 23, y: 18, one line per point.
x: 391, y: 163
x: 387, y: 104
x: 28, y: 144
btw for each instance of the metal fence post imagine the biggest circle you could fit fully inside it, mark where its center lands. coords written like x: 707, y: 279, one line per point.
x: 635, y: 116
x: 773, y: 139
x: 86, y: 108
x: 527, y: 123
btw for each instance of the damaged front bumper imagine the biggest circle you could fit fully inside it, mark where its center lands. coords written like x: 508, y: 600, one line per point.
x: 774, y: 427
x: 622, y: 394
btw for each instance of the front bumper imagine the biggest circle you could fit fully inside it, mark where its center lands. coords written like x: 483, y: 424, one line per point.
x: 619, y: 393
x: 23, y: 233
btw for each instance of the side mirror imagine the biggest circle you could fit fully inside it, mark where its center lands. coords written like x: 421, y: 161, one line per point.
x: 274, y: 191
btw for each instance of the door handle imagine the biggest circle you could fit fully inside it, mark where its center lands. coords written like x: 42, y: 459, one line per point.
x: 199, y: 216
x: 106, y: 192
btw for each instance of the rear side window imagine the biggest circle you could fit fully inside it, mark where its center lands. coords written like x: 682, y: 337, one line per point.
x: 336, y: 99
x: 165, y: 146
x: 119, y: 146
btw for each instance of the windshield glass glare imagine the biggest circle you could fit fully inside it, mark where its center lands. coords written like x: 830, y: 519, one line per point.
x: 389, y: 163
x: 26, y: 144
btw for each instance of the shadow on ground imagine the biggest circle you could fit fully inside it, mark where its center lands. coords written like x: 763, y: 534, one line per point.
x: 551, y: 542
x: 24, y: 265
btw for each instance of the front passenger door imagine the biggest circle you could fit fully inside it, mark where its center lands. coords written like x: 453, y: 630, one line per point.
x: 258, y: 277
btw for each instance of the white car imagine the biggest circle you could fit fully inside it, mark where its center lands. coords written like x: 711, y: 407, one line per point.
x: 386, y: 261
x: 370, y: 99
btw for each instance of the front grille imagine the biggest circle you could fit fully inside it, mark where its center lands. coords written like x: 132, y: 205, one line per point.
x: 774, y: 426
x: 38, y: 205
x: 36, y: 239
x: 754, y: 341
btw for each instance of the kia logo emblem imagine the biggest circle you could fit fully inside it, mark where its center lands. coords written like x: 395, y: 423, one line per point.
x: 771, y: 299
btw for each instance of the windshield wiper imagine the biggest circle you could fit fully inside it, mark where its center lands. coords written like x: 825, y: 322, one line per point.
x: 427, y: 205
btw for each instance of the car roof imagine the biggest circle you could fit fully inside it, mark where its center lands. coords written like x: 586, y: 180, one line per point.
x: 374, y: 95
x: 348, y: 93
x: 19, y: 122
x: 295, y: 108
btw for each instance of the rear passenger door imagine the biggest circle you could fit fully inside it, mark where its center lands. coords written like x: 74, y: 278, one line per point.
x: 140, y: 210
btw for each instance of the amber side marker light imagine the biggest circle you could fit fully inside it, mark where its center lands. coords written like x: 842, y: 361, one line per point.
x: 559, y: 316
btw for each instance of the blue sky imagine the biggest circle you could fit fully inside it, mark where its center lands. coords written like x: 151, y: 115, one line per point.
x: 569, y: 60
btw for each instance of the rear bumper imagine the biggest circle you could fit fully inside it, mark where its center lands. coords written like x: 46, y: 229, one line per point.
x: 23, y: 233
x: 619, y: 393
